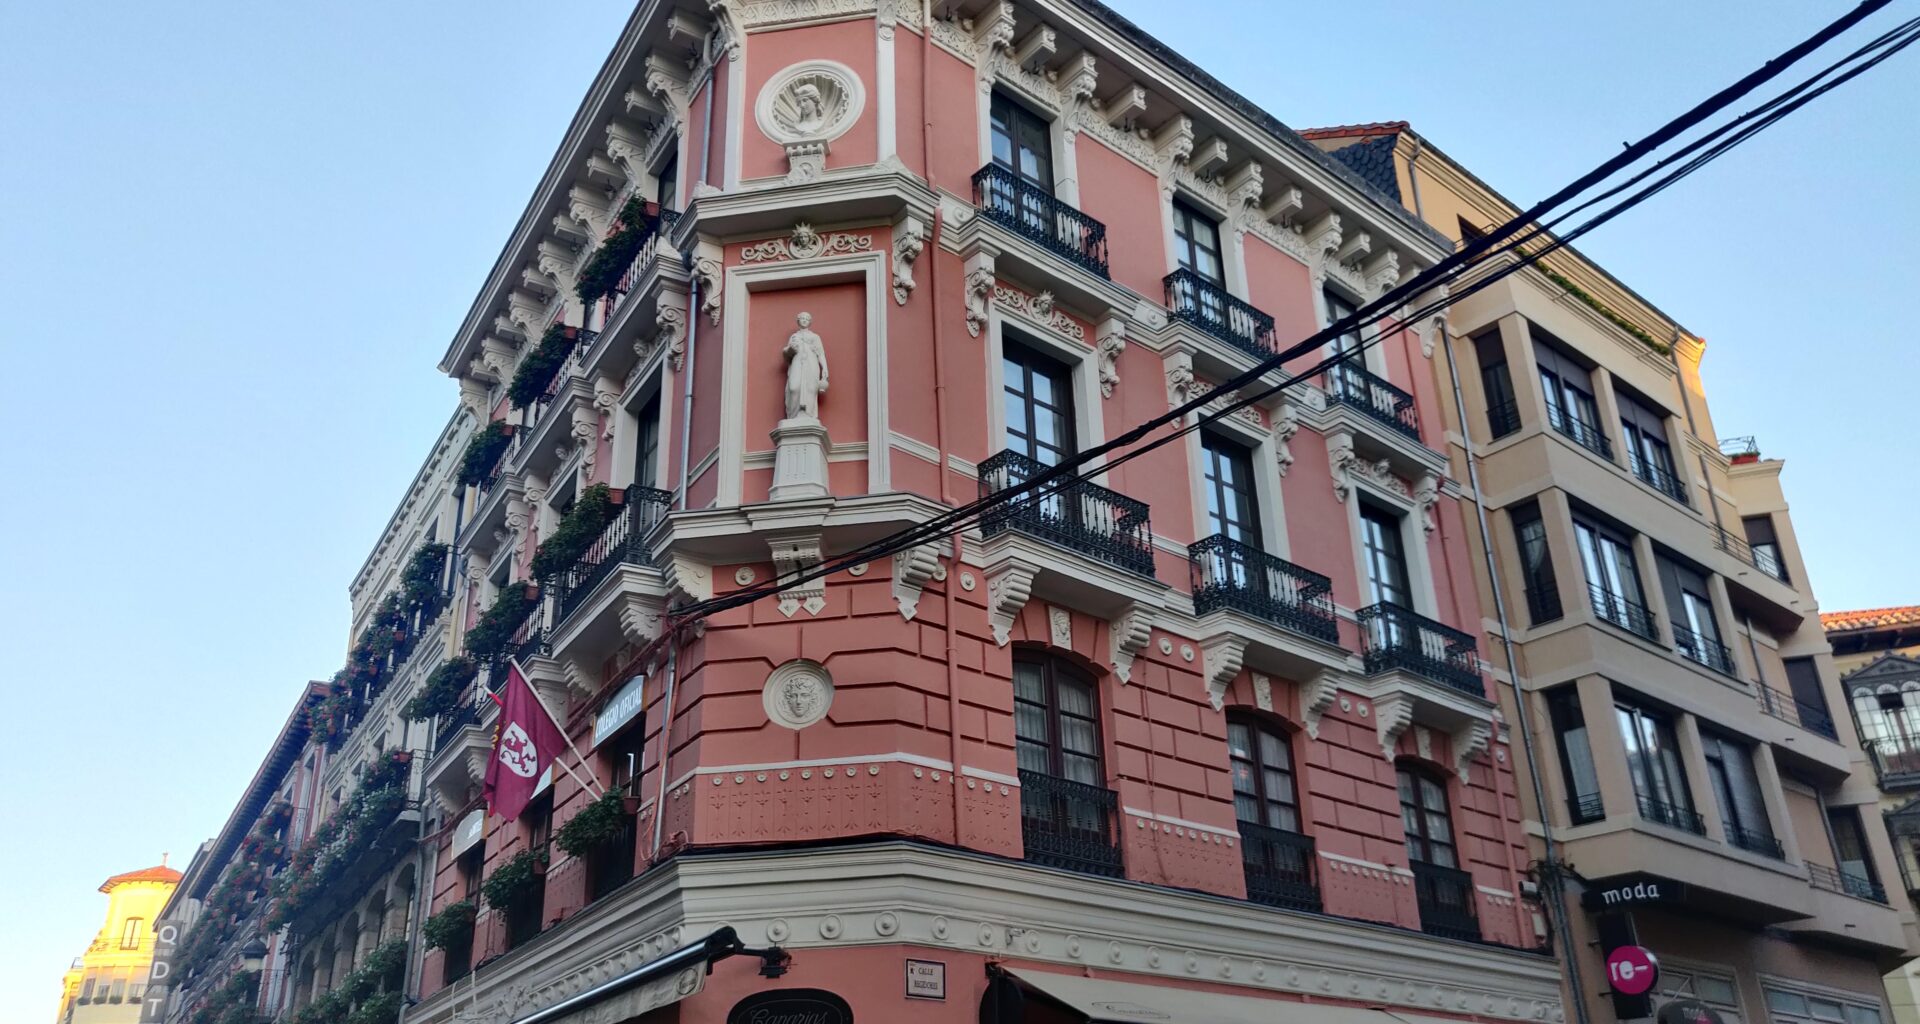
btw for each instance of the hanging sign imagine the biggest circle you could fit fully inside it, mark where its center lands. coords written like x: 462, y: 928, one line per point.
x: 620, y: 709
x: 791, y: 1006
x: 1632, y: 970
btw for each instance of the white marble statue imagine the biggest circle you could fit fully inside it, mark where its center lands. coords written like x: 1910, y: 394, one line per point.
x: 806, y: 371
x: 811, y: 112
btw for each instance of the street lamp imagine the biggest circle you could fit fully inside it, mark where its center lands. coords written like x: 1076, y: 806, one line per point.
x: 253, y: 955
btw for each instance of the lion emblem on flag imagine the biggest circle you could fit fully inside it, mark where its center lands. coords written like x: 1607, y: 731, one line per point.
x: 517, y: 751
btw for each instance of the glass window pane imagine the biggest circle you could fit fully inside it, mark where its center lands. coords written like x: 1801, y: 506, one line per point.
x: 1786, y: 1002
x: 1862, y: 1014
x: 1715, y: 989
x: 1825, y: 1009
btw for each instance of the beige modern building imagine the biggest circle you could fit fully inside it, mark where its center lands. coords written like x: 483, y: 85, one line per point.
x: 105, y: 983
x: 1700, y: 792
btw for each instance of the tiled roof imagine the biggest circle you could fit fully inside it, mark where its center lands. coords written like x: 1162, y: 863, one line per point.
x: 1870, y: 618
x: 157, y: 873
x: 1372, y: 160
x: 1349, y: 131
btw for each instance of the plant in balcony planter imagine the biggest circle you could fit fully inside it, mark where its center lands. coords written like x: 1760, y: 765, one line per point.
x: 540, y: 366
x: 578, y: 529
x: 441, y: 693
x: 592, y: 825
x: 484, y: 451
x: 453, y: 923
x: 420, y: 580
x: 495, y: 626
x: 513, y: 879
x: 603, y: 269
x: 381, y: 1009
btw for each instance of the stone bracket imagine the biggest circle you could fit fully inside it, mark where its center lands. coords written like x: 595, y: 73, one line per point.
x: 912, y: 569
x: 1224, y: 653
x: 1129, y: 632
x: 1392, y: 714
x: 1316, y: 696
x: 1007, y: 593
x: 794, y: 554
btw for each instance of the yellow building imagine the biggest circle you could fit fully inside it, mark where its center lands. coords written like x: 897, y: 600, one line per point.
x: 105, y: 983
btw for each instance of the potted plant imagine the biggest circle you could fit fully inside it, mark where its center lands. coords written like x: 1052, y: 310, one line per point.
x: 454, y: 921
x: 592, y: 825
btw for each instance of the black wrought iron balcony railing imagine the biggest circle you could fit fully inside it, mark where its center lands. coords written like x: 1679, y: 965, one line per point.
x: 579, y: 339
x: 1582, y: 432
x: 1895, y: 757
x: 1195, y: 300
x: 1847, y: 883
x: 466, y: 713
x: 610, y: 865
x: 1672, y: 815
x: 1543, y: 604
x: 1235, y: 575
x: 1446, y: 900
x: 1077, y: 515
x: 1659, y: 477
x: 1583, y: 810
x: 1350, y: 384
x: 1794, y: 711
x: 1624, y: 612
x: 1702, y: 650
x: 1033, y: 213
x: 1755, y: 841
x: 658, y: 227
x: 1765, y: 558
x: 1280, y: 867
x: 624, y: 541
x: 1503, y: 418
x: 1391, y: 637
x: 1071, y: 825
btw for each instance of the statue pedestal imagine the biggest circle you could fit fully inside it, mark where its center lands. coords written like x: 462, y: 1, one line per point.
x: 799, y: 460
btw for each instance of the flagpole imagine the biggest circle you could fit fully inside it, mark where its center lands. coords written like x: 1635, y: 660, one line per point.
x: 537, y: 699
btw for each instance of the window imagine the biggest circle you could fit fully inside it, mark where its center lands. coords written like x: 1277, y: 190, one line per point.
x: 1536, y: 564
x: 1613, y: 578
x: 1809, y: 697
x: 611, y: 863
x: 1850, y: 849
x: 1649, y: 454
x: 1568, y: 389
x: 1577, y: 772
x: 524, y: 916
x: 1263, y: 791
x: 1695, y: 632
x: 1386, y: 557
x: 1496, y: 381
x: 1022, y: 143
x: 1765, y: 545
x: 1653, y: 762
x: 646, y: 451
x: 1232, y: 507
x: 1068, y: 819
x: 1338, y: 308
x: 668, y: 194
x: 459, y: 953
x: 1714, y: 989
x: 1794, y: 1005
x: 1890, y: 724
x: 1039, y: 406
x: 1196, y: 247
x: 1736, y: 792
x: 86, y: 989
x: 130, y: 934
x: 118, y: 993
x: 1427, y: 819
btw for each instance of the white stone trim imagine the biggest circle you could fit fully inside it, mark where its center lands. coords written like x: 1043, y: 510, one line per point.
x: 900, y: 757
x: 913, y: 446
x: 1192, y: 826
x: 981, y: 773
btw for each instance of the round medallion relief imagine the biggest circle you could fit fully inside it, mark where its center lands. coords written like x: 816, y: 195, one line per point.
x: 812, y: 101
x: 798, y: 694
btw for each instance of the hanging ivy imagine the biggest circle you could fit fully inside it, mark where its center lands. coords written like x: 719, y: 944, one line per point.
x: 540, y: 366
x: 592, y: 825
x: 483, y: 452
x: 440, y: 694
x: 512, y: 879
x: 495, y: 626
x: 453, y: 923
x: 603, y: 268
x: 578, y: 529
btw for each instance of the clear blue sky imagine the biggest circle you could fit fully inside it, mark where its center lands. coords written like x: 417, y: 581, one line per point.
x: 238, y: 236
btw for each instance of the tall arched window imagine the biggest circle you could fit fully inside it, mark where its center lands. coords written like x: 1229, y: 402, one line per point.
x: 1444, y: 892
x: 1279, y: 860
x: 1068, y: 818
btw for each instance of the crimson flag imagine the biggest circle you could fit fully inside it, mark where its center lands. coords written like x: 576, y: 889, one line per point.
x: 525, y: 742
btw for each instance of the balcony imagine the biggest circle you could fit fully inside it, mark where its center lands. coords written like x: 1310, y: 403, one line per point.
x: 1631, y: 616
x: 1582, y: 810
x: 1280, y: 867
x: 1581, y: 432
x: 1195, y: 300
x: 1794, y: 711
x: 1446, y: 900
x: 1394, y: 638
x: 1895, y: 763
x: 1766, y: 559
x: 622, y: 542
x: 1034, y: 214
x: 1702, y: 650
x: 656, y: 228
x: 1660, y: 478
x: 1350, y: 384
x: 1672, y: 816
x: 1229, y: 574
x: 1755, y: 841
x: 1076, y: 515
x: 1846, y: 883
x: 578, y: 339
x: 1070, y: 825
x: 1503, y: 418
x: 467, y: 713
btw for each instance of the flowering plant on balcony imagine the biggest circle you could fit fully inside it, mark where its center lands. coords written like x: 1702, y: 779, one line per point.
x: 441, y: 693
x: 592, y: 825
x: 263, y: 851
x: 449, y: 926
x: 513, y: 879
x: 342, y: 839
x: 420, y: 580
x: 370, y: 994
x: 495, y: 626
x: 231, y: 1003
x: 602, y: 271
x: 539, y: 367
x: 578, y: 529
x: 483, y: 452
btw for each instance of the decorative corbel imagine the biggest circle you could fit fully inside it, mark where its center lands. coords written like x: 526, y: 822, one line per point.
x: 1122, y: 107
x: 1111, y: 337
x: 1392, y: 714
x: 1323, y: 241
x: 1316, y: 696
x: 1224, y: 653
x: 1207, y: 157
x: 1007, y: 593
x: 640, y: 617
x: 1174, y: 140
x: 1262, y: 692
x: 980, y: 279
x: 1244, y: 186
x: 1079, y: 78
x: 1426, y: 494
x: 1182, y: 385
x: 473, y: 397
x: 579, y: 679
x: 1286, y: 423
x: 909, y: 240
x: 671, y: 323
x: 666, y: 79
x: 1285, y: 205
x: 527, y: 313
x: 1129, y: 633
x: 586, y: 435
x: 589, y: 207
x: 708, y: 271
x: 606, y: 398
x: 688, y: 576
x: 627, y: 146
x: 557, y: 260
x: 1353, y: 248
x: 794, y: 554
x: 1430, y: 330
x: 1470, y: 741
x: 993, y: 27
x: 912, y: 569
x: 1381, y: 272
x: 1034, y: 48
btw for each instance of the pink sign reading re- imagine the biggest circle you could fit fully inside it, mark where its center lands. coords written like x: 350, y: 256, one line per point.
x: 1632, y: 970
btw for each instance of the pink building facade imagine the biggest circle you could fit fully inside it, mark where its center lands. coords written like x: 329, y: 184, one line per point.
x: 1210, y: 730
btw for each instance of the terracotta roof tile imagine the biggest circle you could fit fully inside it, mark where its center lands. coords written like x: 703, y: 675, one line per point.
x: 157, y: 873
x: 1347, y: 131
x: 1870, y: 618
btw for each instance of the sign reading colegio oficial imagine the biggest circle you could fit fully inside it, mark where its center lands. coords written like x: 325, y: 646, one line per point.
x: 791, y: 1006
